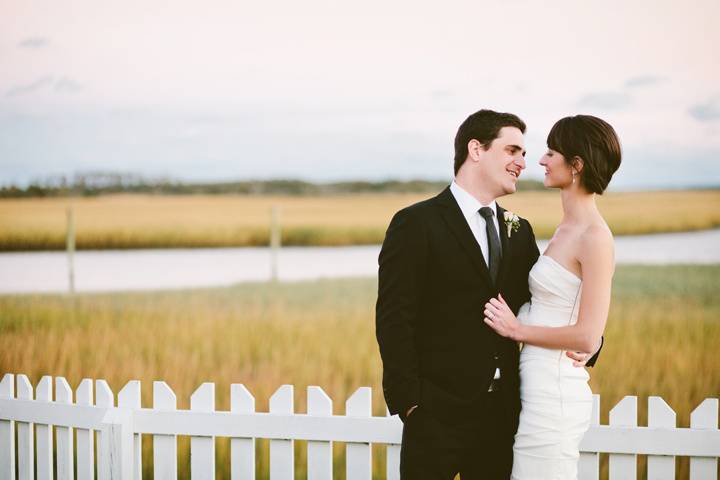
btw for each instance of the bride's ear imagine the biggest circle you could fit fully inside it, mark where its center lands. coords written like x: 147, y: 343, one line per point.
x: 577, y: 164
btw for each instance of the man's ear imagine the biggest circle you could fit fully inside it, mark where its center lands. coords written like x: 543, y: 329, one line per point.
x: 475, y: 149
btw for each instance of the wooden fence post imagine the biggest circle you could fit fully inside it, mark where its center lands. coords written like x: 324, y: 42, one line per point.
x: 275, y: 241
x: 70, y: 245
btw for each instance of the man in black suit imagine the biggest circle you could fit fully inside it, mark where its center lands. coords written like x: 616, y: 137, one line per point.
x: 452, y: 380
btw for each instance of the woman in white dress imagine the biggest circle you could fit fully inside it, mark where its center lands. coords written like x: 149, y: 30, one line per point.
x: 570, y: 298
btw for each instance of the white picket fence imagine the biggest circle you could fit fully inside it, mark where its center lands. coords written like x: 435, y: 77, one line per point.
x: 120, y: 425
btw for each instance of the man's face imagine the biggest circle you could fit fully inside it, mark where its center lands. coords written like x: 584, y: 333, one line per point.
x: 503, y: 162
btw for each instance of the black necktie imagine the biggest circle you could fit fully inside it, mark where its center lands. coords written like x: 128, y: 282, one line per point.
x: 493, y: 242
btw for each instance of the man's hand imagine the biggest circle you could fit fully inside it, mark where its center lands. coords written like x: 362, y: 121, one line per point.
x: 410, y: 410
x: 581, y: 358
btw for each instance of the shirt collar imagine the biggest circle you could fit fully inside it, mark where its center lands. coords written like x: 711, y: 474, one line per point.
x: 469, y: 205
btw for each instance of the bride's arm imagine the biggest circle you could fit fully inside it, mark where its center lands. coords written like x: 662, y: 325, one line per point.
x: 597, y: 261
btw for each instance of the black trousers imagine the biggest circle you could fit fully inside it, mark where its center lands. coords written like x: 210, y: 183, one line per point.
x: 478, y: 446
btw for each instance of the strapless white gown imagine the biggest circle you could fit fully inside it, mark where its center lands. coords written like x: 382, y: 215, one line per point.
x: 556, y: 398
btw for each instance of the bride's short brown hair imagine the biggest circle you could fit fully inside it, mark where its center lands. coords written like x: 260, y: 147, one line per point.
x: 595, y: 142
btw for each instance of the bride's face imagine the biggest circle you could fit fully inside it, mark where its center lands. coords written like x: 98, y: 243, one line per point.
x: 558, y: 174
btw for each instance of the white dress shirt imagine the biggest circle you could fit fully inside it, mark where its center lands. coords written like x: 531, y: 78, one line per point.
x: 470, y: 208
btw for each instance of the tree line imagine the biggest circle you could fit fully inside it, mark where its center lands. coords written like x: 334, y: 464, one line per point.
x: 104, y: 183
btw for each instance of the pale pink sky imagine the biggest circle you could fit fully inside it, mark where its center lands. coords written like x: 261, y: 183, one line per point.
x: 325, y: 90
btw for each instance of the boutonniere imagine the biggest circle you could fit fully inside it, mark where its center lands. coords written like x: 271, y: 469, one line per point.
x: 512, y: 222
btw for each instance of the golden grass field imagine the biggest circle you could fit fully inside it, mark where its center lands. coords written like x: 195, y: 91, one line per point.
x: 148, y: 221
x: 661, y: 339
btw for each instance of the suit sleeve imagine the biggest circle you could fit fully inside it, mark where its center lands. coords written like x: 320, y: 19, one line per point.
x: 401, y: 274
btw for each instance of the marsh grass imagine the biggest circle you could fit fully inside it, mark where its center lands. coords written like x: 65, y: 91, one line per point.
x: 147, y: 221
x: 661, y: 339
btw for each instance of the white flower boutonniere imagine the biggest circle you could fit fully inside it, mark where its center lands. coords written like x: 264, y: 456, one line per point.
x: 512, y: 222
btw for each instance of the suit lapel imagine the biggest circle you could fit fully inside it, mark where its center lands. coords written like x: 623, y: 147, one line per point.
x: 506, y: 246
x: 457, y: 224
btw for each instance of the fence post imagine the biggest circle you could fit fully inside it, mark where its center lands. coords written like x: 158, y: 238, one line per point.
x: 275, y: 241
x: 117, y: 430
x: 129, y: 397
x: 70, y: 245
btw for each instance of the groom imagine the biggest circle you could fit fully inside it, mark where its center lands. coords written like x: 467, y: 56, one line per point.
x: 452, y: 380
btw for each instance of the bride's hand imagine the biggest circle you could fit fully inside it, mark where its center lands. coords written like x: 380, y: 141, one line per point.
x: 501, y: 319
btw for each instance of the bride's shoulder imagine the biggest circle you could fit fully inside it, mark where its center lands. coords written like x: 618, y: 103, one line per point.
x: 597, y: 239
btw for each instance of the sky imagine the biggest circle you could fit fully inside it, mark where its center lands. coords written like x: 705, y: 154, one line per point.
x: 335, y: 90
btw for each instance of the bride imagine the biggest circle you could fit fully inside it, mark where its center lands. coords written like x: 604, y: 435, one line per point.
x: 570, y: 287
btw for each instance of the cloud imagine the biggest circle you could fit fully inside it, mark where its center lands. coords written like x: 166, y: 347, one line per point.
x: 709, y: 111
x: 62, y: 85
x: 606, y: 100
x: 644, y: 81
x: 67, y: 85
x: 36, y: 85
x: 34, y: 42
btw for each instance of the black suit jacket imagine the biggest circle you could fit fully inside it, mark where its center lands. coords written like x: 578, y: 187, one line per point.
x: 433, y: 285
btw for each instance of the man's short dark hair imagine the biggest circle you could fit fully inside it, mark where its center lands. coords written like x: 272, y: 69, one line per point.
x: 595, y: 142
x: 483, y: 126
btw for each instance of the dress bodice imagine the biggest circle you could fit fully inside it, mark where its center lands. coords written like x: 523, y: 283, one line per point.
x: 555, y: 295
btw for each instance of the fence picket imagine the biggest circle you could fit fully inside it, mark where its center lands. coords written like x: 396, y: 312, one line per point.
x: 705, y: 416
x: 589, y: 464
x: 624, y: 414
x: 242, y: 450
x: 103, y: 398
x: 164, y: 446
x: 129, y: 397
x: 202, y: 449
x: 25, y: 434
x: 7, y: 431
x: 359, y: 455
x: 392, y: 466
x: 64, y: 435
x: 85, y: 451
x: 660, y: 467
x: 282, y: 460
x: 44, y: 433
x: 319, y: 454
